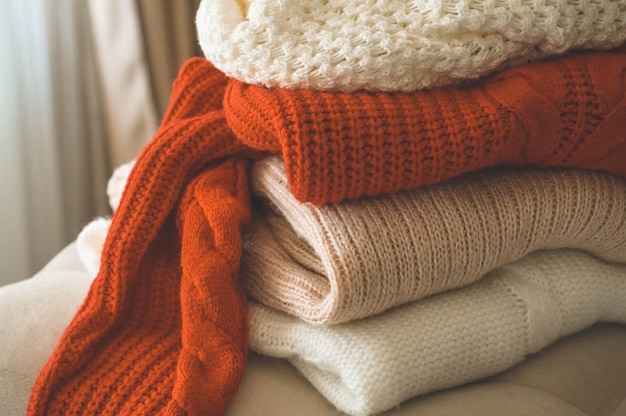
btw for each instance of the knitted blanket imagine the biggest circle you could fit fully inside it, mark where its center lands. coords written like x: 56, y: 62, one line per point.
x: 397, y: 45
x: 346, y: 261
x: 163, y: 328
x: 371, y: 365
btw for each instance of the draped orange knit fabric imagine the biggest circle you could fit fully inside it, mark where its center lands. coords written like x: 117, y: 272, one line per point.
x: 163, y: 328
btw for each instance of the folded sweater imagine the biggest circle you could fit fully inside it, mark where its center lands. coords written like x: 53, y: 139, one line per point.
x: 568, y: 112
x: 345, y: 261
x: 163, y: 328
x: 397, y: 45
x: 368, y: 366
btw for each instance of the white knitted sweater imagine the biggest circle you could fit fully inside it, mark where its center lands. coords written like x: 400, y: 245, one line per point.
x: 368, y: 366
x: 395, y: 45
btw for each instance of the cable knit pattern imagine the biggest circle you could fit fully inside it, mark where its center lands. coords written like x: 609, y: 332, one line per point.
x: 371, y: 365
x: 396, y: 45
x: 568, y: 112
x: 346, y: 261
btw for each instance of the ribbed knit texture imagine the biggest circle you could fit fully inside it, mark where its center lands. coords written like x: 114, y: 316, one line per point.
x: 368, y: 366
x: 163, y: 328
x: 569, y: 112
x: 395, y: 45
x: 341, y: 262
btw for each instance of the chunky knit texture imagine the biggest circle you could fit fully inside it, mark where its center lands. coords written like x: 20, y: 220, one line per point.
x: 163, y: 328
x: 341, y: 262
x: 569, y: 112
x: 368, y: 366
x: 395, y: 45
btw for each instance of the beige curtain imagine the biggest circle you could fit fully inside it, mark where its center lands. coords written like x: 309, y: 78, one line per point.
x: 83, y: 85
x: 124, y: 78
x: 53, y: 156
x: 169, y: 34
x: 140, y: 46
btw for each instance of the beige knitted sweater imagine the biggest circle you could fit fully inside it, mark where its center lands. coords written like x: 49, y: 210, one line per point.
x: 351, y: 260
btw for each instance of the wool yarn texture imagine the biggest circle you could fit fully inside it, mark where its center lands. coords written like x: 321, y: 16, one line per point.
x: 395, y: 45
x: 351, y: 260
x: 371, y: 365
x: 346, y: 261
x: 568, y: 112
x: 163, y: 329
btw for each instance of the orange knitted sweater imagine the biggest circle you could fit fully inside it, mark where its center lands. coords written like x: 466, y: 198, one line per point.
x: 163, y: 328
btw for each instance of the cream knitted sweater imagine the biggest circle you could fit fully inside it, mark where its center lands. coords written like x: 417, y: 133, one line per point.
x: 346, y: 261
x: 395, y: 45
x: 371, y: 365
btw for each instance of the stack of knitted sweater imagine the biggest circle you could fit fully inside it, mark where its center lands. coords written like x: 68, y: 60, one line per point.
x: 437, y: 191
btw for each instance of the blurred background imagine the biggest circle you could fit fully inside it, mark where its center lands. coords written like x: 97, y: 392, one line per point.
x: 83, y: 85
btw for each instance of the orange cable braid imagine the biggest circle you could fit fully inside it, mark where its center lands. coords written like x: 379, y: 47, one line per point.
x: 163, y: 329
